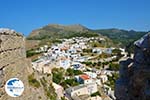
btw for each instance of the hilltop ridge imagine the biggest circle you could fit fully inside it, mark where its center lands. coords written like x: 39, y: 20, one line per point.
x: 119, y: 37
x: 60, y: 31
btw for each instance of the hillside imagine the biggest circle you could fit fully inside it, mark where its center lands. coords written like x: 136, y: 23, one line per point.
x: 121, y: 36
x: 52, y: 32
x: 60, y: 31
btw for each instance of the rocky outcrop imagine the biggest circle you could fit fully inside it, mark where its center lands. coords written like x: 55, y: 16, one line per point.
x: 134, y: 81
x: 14, y: 64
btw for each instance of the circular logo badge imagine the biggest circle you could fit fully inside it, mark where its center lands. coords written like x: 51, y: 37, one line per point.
x: 14, y: 87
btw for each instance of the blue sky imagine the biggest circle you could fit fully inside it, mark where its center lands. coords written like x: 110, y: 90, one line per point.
x: 26, y: 15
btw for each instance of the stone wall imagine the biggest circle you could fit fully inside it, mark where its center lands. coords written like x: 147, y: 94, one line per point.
x: 14, y: 64
x: 11, y: 47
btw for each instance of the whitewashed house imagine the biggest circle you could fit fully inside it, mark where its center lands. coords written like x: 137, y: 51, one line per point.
x: 97, y: 50
x: 77, y: 66
x: 81, y: 59
x: 108, y: 51
x: 64, y: 63
x: 72, y: 50
x: 59, y: 90
x: 103, y: 78
x: 91, y: 74
x: 44, y: 48
x: 38, y: 65
x: 92, y: 88
x: 82, y: 89
x: 84, y: 79
x: 95, y: 98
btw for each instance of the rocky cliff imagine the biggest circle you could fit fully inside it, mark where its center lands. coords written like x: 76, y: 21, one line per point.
x: 13, y: 64
x: 134, y: 81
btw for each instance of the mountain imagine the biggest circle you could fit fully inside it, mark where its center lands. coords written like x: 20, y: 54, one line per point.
x: 60, y: 31
x: 119, y: 37
x: 123, y: 36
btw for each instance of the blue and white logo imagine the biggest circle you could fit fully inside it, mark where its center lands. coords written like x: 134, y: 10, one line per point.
x: 14, y: 87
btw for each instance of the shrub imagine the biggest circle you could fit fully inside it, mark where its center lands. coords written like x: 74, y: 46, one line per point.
x: 48, y: 89
x: 77, y: 72
x: 114, y: 66
x: 112, y: 79
x: 33, y: 82
x: 30, y: 53
x: 87, y: 50
x: 71, y: 82
x: 58, y: 75
x: 95, y: 94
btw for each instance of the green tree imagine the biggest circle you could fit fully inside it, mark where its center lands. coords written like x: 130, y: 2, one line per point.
x: 70, y: 72
x: 33, y: 81
x: 114, y: 66
x: 87, y: 50
x: 63, y: 98
x: 58, y: 75
x: 112, y: 79
x: 71, y: 82
x: 117, y: 52
x: 77, y: 72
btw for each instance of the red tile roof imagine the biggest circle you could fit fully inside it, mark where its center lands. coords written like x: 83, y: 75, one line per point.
x: 84, y: 77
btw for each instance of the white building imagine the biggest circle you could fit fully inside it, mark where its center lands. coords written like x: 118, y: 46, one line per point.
x: 84, y: 79
x: 103, y: 78
x: 44, y: 48
x: 38, y: 65
x: 91, y: 74
x: 82, y: 89
x: 92, y: 88
x: 42, y: 65
x: 59, y: 90
x: 97, y: 50
x: 95, y: 98
x: 64, y: 63
x: 77, y: 66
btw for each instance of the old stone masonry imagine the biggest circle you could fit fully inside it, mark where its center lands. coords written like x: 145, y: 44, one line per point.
x: 13, y: 62
x: 134, y: 81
